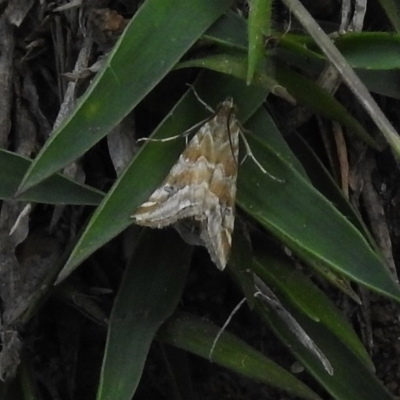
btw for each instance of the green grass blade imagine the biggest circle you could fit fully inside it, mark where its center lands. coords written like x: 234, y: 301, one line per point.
x: 150, y: 291
x: 357, y: 48
x: 158, y: 35
x: 197, y: 335
x: 233, y: 65
x: 259, y: 23
x: 56, y: 190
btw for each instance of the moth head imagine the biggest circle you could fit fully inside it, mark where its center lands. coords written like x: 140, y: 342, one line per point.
x: 227, y: 108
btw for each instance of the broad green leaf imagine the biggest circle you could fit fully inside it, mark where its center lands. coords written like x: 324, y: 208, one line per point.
x: 56, y: 190
x: 323, y: 181
x: 197, y: 336
x: 153, y: 162
x: 307, y: 222
x: 156, y: 38
x: 317, y: 174
x: 149, y: 293
x: 259, y: 23
x: 270, y: 135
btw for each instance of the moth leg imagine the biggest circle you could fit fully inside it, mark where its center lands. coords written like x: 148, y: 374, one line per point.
x: 250, y: 154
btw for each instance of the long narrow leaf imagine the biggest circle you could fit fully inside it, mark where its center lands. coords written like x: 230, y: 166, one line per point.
x: 197, y: 336
x: 149, y: 293
x: 259, y: 25
x: 56, y: 190
x: 308, y: 223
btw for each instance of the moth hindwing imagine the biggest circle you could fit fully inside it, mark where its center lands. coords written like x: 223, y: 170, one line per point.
x: 201, y: 187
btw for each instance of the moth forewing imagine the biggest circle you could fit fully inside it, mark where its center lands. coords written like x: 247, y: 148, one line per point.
x: 201, y: 186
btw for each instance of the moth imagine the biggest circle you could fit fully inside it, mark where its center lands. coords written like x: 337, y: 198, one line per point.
x: 198, y: 195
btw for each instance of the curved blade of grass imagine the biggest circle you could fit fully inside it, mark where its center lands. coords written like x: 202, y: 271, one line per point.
x: 153, y: 162
x: 317, y: 174
x: 358, y: 47
x: 307, y: 298
x: 158, y: 35
x: 197, y: 336
x: 346, y: 72
x: 303, y: 89
x: 294, y: 50
x: 351, y: 379
x: 259, y: 23
x: 236, y: 66
x: 56, y: 190
x: 306, y: 163
x: 149, y: 293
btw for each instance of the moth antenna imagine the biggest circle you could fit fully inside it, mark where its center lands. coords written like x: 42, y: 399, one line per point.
x: 184, y: 134
x: 250, y: 154
x: 168, y: 139
x: 221, y: 331
x: 200, y: 100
